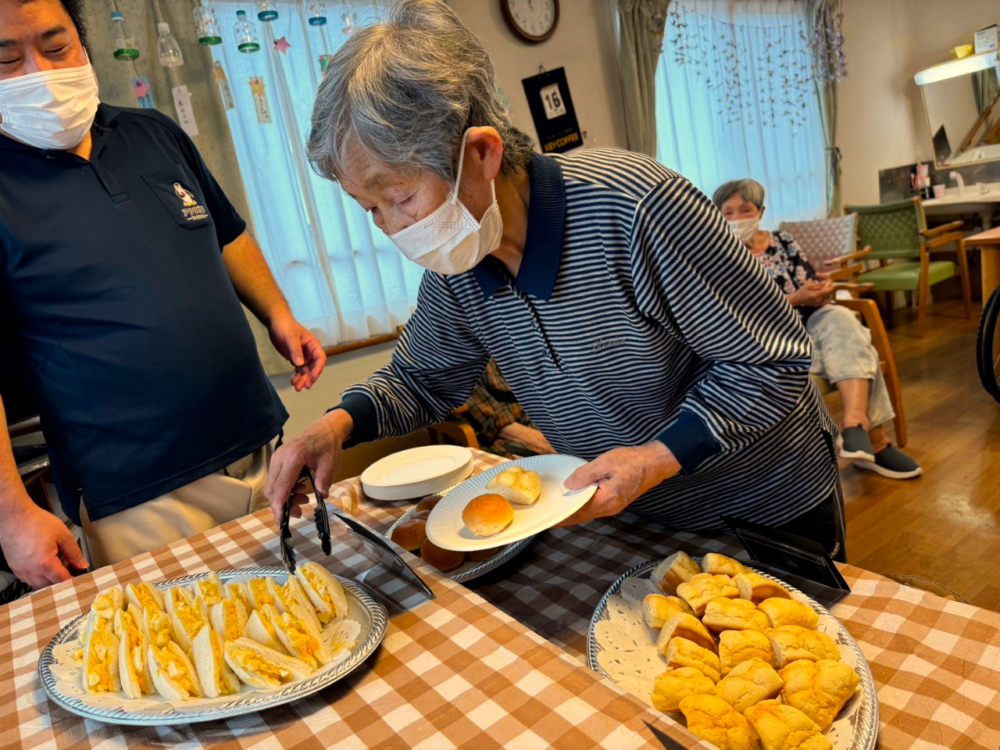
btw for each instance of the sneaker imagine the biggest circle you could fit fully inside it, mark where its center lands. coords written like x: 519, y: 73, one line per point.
x: 893, y: 463
x: 855, y: 444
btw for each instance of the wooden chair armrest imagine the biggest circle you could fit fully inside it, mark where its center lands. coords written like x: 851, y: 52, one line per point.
x: 842, y: 259
x: 950, y: 226
x: 854, y: 287
x: 945, y: 239
x: 458, y: 433
x: 460, y: 410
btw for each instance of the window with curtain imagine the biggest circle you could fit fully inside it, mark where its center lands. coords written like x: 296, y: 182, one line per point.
x: 736, y: 97
x: 343, y: 278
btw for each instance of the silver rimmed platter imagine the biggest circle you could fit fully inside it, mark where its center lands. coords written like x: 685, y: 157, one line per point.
x: 63, y: 683
x: 620, y: 648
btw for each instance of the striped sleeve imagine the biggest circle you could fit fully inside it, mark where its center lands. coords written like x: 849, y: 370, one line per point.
x: 693, y: 276
x: 433, y: 370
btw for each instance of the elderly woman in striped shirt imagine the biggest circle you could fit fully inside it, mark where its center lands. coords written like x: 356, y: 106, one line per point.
x: 635, y: 329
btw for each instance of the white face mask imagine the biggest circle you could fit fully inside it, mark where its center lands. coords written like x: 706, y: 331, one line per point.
x: 450, y: 241
x: 50, y: 110
x: 745, y: 229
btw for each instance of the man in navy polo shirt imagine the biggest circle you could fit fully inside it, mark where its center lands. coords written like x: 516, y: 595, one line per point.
x: 122, y: 269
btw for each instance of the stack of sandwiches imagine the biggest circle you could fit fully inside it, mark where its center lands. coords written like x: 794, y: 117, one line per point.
x: 206, y: 639
x: 747, y: 666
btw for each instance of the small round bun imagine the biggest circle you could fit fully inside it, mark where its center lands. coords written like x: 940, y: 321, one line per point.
x: 517, y: 485
x: 487, y: 515
x: 411, y: 534
x: 428, y: 502
x: 483, y: 554
x: 442, y: 559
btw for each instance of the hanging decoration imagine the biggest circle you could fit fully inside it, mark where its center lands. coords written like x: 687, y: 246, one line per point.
x: 348, y: 20
x: 246, y: 34
x: 260, y: 100
x: 827, y: 43
x: 318, y: 20
x: 207, y: 22
x: 123, y: 44
x: 266, y: 11
x: 228, y: 100
x: 167, y: 47
x: 143, y: 92
x: 185, y: 112
x: 281, y: 45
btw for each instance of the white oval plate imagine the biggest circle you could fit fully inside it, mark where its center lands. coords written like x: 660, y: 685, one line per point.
x: 446, y: 529
x: 417, y: 472
x: 62, y: 683
x: 620, y: 647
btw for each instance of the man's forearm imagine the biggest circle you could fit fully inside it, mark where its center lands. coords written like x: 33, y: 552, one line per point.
x: 252, y: 279
x: 12, y: 492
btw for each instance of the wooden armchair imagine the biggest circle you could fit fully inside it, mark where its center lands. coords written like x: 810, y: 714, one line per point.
x: 824, y: 242
x: 453, y: 431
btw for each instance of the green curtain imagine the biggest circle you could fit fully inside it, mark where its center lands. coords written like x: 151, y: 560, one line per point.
x: 818, y: 13
x: 641, y: 24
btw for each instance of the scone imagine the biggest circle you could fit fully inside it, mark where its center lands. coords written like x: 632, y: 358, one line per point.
x: 819, y: 689
x: 792, y: 642
x: 717, y: 564
x: 705, y: 587
x: 675, y: 685
x: 683, y: 625
x: 781, y: 612
x: 675, y: 570
x: 715, y: 721
x: 681, y: 652
x: 756, y: 588
x: 734, y: 614
x: 738, y: 646
x: 517, y: 484
x: 749, y: 683
x: 656, y: 609
x: 782, y: 727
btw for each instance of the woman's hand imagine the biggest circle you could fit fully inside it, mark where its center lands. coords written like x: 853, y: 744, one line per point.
x: 813, y: 293
x: 622, y: 476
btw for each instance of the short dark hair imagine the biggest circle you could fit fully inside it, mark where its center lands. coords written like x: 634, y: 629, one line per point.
x: 74, y: 8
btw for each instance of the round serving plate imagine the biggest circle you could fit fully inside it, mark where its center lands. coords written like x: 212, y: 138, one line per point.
x: 363, y: 608
x: 620, y: 648
x: 416, y: 472
x: 445, y: 526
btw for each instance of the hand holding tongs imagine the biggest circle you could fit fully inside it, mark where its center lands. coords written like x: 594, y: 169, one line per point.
x: 321, y: 517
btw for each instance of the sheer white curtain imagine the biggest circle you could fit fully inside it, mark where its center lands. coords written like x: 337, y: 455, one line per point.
x: 735, y: 98
x: 341, y: 275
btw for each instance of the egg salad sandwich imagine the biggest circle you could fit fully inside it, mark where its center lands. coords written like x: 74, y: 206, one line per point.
x: 240, y: 592
x: 262, y: 667
x: 156, y: 627
x: 209, y: 588
x: 290, y: 594
x: 228, y: 618
x: 127, y: 626
x: 174, y: 675
x: 323, y: 590
x: 262, y: 627
x: 258, y: 589
x: 214, y: 674
x: 133, y: 667
x: 301, y: 638
x: 100, y: 657
x: 109, y: 602
x: 187, y: 615
x: 143, y: 596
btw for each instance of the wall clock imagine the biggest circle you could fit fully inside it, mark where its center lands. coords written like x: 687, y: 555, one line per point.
x: 532, y: 20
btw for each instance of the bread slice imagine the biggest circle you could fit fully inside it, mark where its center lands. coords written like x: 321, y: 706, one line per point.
x: 754, y: 587
x: 174, y: 675
x: 100, y: 658
x: 781, y: 612
x: 781, y: 726
x: 262, y: 667
x: 716, y: 564
x: 791, y: 642
x: 683, y: 625
x: 301, y: 638
x: 517, y: 485
x: 228, y: 618
x: 657, y: 609
x: 259, y: 591
x: 240, y: 592
x: 675, y: 570
x: 705, y: 587
x: 738, y: 646
x: 749, y: 683
x: 187, y: 615
x: 681, y: 652
x: 323, y: 590
x: 215, y: 676
x: 156, y: 627
x: 144, y: 596
x: 675, y: 685
x: 262, y: 627
x: 108, y: 602
x: 733, y: 614
x: 133, y: 671
x: 209, y: 588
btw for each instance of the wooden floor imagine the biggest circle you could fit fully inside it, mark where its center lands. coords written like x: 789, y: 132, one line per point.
x: 944, y: 526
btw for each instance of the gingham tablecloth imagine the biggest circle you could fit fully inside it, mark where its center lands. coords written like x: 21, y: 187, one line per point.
x: 936, y: 663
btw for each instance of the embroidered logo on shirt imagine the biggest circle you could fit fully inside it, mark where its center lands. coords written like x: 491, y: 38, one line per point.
x: 191, y: 209
x: 607, y: 344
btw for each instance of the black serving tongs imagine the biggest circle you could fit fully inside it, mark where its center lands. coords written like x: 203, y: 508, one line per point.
x: 321, y: 517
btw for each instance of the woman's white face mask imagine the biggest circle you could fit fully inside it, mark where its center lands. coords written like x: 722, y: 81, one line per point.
x: 745, y: 229
x: 50, y: 110
x: 450, y: 241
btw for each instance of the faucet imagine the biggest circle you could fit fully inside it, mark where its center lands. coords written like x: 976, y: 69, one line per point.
x: 953, y: 175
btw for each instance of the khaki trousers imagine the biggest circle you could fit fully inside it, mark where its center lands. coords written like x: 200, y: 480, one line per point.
x: 204, y: 504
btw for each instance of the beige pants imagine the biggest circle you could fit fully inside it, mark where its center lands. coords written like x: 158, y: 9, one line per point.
x: 202, y: 505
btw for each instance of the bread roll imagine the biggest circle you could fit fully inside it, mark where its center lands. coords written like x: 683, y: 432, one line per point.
x: 718, y: 723
x: 738, y: 646
x: 749, y: 683
x: 756, y: 588
x: 517, y: 484
x: 442, y: 559
x: 410, y: 534
x: 782, y: 727
x: 483, y: 554
x: 703, y: 588
x: 781, y: 612
x: 675, y: 570
x: 681, y: 652
x: 717, y: 564
x: 792, y: 642
x: 819, y: 689
x: 487, y: 515
x: 683, y: 625
x: 428, y: 503
x: 657, y: 609
x: 424, y: 514
x: 675, y: 685
x: 734, y: 614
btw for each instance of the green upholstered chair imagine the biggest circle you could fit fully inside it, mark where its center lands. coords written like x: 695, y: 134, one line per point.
x: 902, y: 243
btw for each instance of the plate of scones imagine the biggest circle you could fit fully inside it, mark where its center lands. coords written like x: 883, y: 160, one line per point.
x: 743, y: 660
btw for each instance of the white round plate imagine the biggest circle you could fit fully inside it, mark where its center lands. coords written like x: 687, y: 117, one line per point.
x: 417, y: 472
x: 62, y: 683
x: 446, y: 529
x: 620, y: 647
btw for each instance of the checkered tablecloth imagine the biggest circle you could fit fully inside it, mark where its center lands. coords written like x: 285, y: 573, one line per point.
x: 936, y: 663
x: 452, y: 672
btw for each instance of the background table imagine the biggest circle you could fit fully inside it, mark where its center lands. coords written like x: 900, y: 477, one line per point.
x: 936, y: 662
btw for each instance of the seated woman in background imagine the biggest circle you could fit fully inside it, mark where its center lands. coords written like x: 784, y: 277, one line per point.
x: 843, y: 353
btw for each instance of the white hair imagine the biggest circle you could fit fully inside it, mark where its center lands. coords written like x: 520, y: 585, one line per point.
x: 405, y: 90
x: 749, y: 189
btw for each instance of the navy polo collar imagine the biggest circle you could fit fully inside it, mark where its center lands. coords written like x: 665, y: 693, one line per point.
x: 544, y: 242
